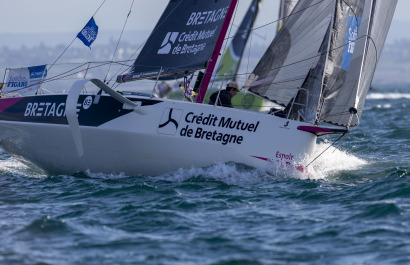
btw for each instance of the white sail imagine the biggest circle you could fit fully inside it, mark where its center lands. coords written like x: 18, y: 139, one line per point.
x: 288, y: 60
x: 286, y: 7
x: 327, y: 80
x: 346, y: 88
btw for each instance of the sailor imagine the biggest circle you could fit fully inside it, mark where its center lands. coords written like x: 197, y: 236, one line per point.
x: 225, y: 96
x: 164, y: 89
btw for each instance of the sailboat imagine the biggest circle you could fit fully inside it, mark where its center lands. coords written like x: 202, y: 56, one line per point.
x: 318, y: 69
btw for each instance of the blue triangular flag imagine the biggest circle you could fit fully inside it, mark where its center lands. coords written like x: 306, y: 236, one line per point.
x: 89, y: 33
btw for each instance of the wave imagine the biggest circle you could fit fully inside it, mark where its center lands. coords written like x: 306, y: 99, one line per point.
x: 327, y: 164
x: 331, y: 162
x: 388, y: 96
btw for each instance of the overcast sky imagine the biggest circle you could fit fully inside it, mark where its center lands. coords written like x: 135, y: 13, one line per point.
x: 58, y: 16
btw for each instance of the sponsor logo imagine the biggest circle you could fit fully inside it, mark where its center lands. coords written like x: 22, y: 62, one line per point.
x: 182, y: 47
x: 350, y: 40
x: 200, y: 18
x: 193, y: 41
x: 87, y: 102
x: 53, y: 109
x: 89, y: 33
x: 167, y: 43
x: 169, y: 121
x: 17, y: 81
x: 285, y: 126
x: 45, y: 109
x: 215, y: 128
x: 283, y: 156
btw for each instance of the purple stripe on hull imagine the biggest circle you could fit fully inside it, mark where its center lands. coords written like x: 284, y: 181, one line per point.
x: 319, y: 131
x: 8, y: 102
x: 297, y: 167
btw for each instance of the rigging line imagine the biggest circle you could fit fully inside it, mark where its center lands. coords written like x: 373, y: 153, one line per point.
x: 100, y: 64
x: 339, y: 143
x: 326, y: 149
x: 119, y: 39
x: 249, y: 55
x: 312, y: 57
x: 351, y: 8
x: 72, y: 41
x: 60, y: 76
x: 99, y: 8
x: 61, y: 54
x: 142, y: 44
x: 291, y: 14
x: 226, y: 43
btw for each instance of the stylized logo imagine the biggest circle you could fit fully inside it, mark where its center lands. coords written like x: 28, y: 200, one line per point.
x: 285, y: 126
x: 87, y: 102
x: 350, y: 40
x: 89, y: 33
x: 170, y: 121
x: 167, y: 43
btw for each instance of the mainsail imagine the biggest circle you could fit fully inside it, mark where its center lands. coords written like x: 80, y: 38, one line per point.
x: 286, y: 63
x: 182, y: 40
x: 327, y: 80
x: 232, y: 58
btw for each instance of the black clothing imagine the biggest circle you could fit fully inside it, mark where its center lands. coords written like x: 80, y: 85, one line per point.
x: 223, y: 100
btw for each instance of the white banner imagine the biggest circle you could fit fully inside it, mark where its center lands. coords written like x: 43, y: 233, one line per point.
x: 24, y: 80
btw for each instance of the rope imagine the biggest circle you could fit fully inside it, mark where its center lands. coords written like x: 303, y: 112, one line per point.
x: 326, y: 149
x: 119, y: 39
x: 72, y: 41
x: 142, y: 44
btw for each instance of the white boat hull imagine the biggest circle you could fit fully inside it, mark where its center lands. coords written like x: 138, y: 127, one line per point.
x: 148, y: 140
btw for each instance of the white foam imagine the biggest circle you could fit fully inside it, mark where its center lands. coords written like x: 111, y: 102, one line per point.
x: 100, y: 175
x: 388, y: 96
x: 332, y: 162
x: 384, y: 106
x: 15, y: 167
x: 328, y: 164
x: 229, y: 173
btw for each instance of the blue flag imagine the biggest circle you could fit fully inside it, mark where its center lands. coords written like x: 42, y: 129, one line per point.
x: 89, y: 33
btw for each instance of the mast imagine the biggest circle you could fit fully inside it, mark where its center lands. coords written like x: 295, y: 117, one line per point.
x: 215, y: 53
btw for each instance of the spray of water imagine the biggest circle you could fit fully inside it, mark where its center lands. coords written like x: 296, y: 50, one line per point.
x: 331, y: 162
x: 13, y: 166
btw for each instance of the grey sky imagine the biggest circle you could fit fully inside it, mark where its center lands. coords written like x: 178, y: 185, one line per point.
x: 28, y: 16
x: 57, y: 16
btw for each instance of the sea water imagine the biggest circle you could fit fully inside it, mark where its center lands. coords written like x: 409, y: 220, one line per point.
x: 353, y: 207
